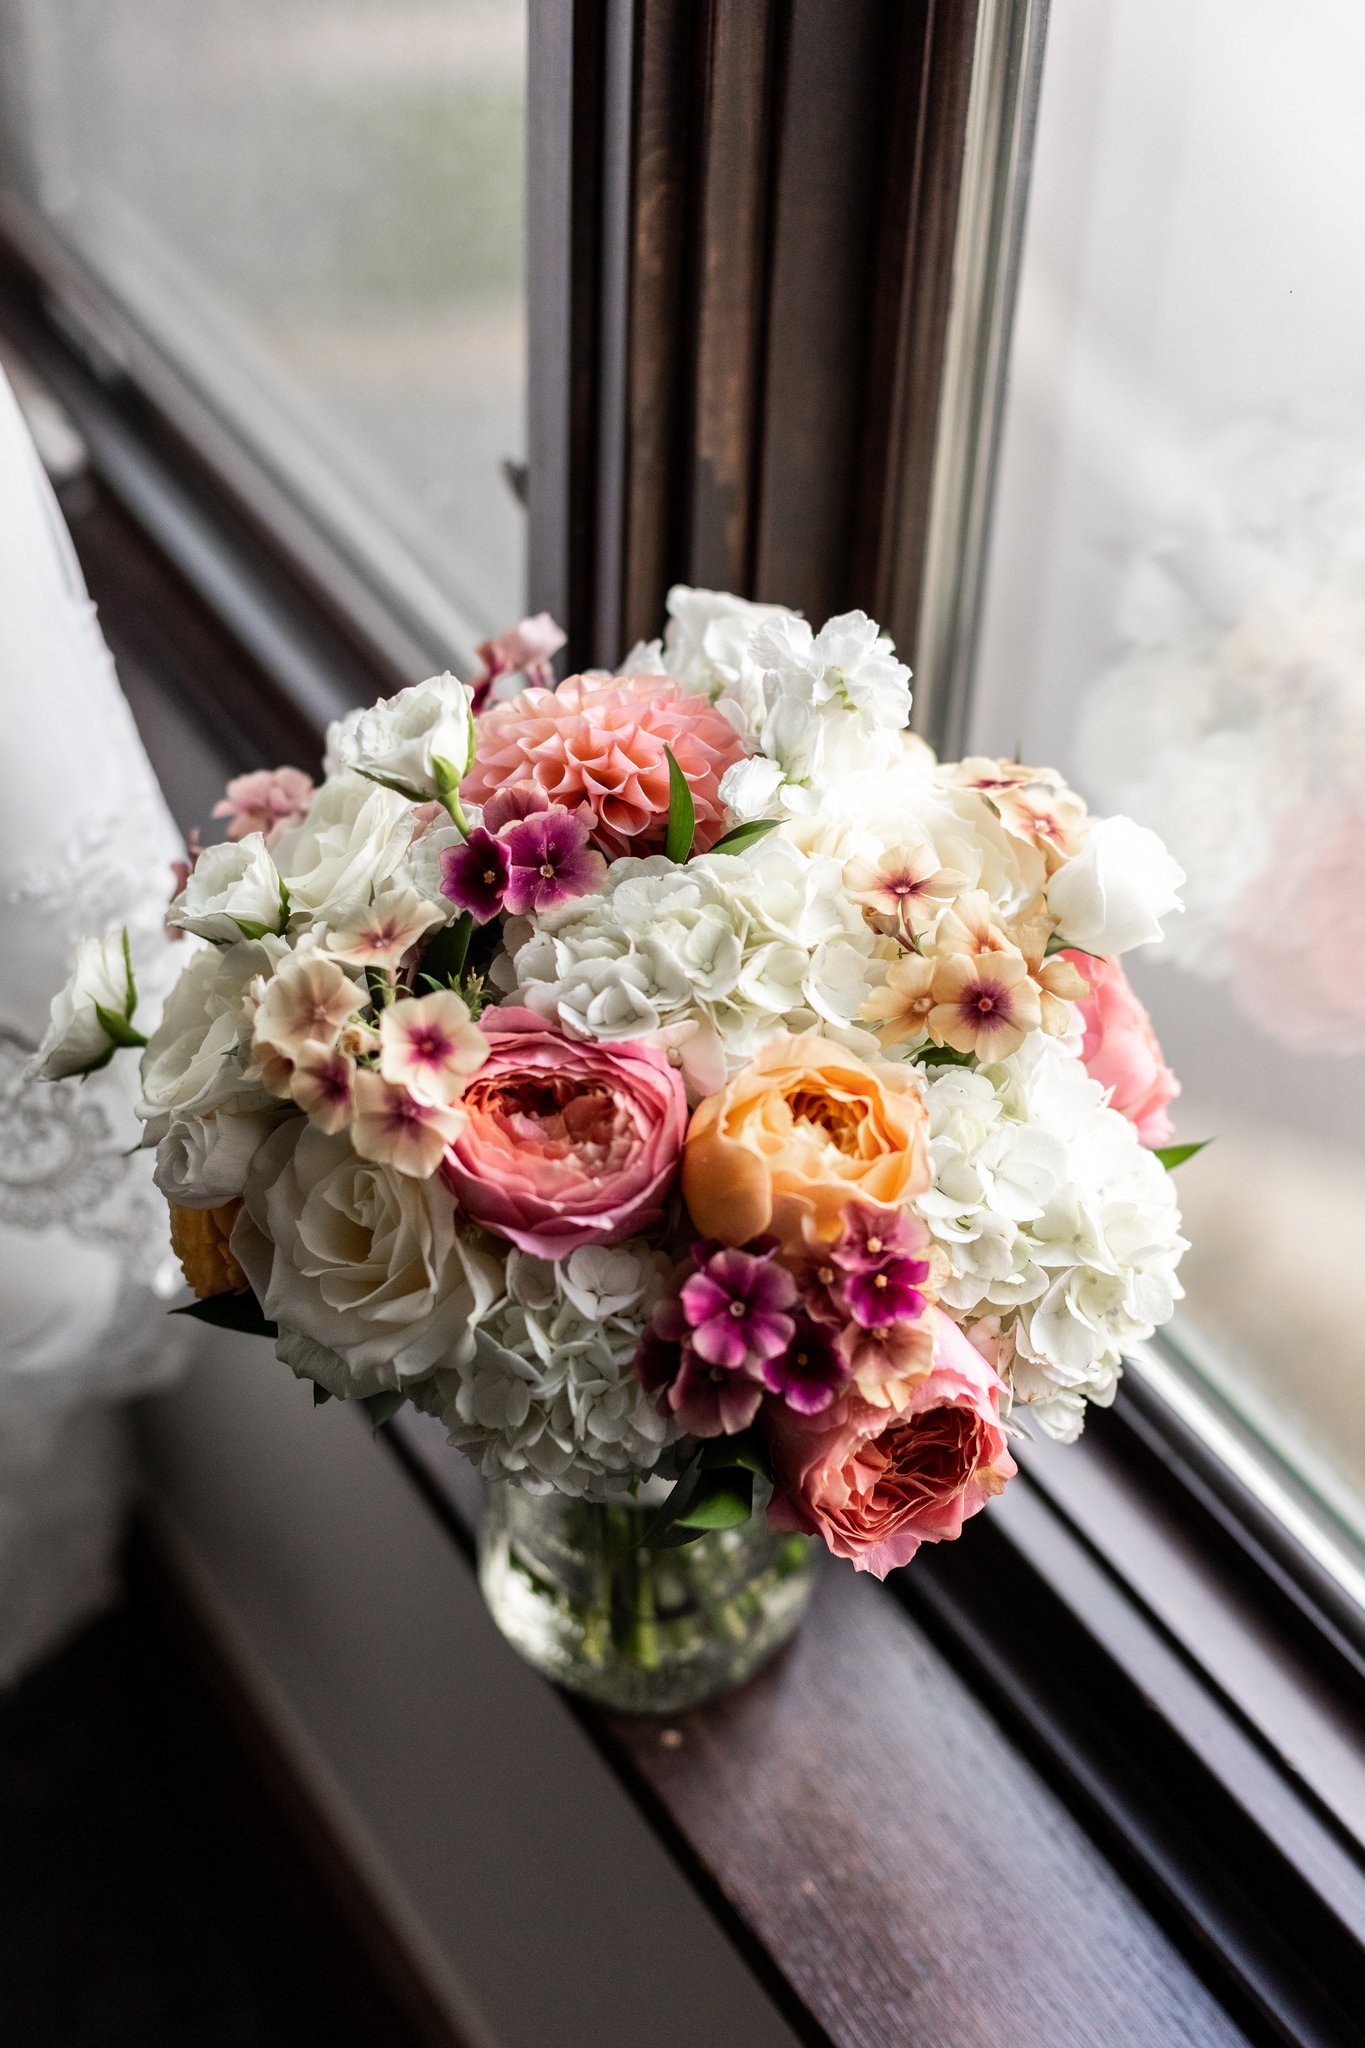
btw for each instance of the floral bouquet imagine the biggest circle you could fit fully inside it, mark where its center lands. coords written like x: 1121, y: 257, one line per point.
x: 679, y: 1082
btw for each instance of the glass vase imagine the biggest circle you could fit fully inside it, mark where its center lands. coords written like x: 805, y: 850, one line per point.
x: 643, y: 1630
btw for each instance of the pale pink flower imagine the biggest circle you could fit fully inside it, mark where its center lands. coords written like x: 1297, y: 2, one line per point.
x: 322, y: 1083
x: 305, y: 1002
x: 380, y: 933
x: 265, y: 801
x: 393, y: 1128
x: 599, y: 742
x: 526, y: 649
x: 430, y: 1046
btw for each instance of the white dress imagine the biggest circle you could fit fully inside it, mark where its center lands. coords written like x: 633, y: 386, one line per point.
x: 86, y: 842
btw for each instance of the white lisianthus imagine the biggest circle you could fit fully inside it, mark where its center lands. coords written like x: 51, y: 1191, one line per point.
x: 195, y: 1059
x: 1116, y: 891
x: 91, y: 1017
x: 549, y: 1397
x: 419, y: 742
x: 744, y: 945
x: 234, y: 892
x: 202, y: 1161
x: 1060, y: 1231
x: 355, y: 836
x: 363, y: 1261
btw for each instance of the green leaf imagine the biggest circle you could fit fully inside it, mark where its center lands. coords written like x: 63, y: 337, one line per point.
x: 131, y: 1004
x: 320, y: 1394
x: 1172, y: 1156
x: 723, y: 1500
x: 1057, y: 944
x: 118, y: 1028
x: 746, y: 1453
x: 945, y: 1056
x: 252, y: 928
x: 379, y: 1407
x: 444, y: 959
x: 240, y: 1312
x: 741, y: 836
x: 414, y: 796
x: 682, y: 815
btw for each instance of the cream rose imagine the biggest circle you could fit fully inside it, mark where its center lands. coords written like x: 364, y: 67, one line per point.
x: 202, y: 1161
x: 362, y: 1261
x: 233, y: 893
x: 194, y: 1059
x: 352, y: 840
x: 1116, y: 891
x: 421, y: 740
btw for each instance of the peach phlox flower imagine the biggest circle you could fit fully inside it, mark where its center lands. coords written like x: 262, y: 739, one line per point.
x: 984, y: 1003
x: 899, y: 1009
x: 378, y: 934
x: 968, y: 926
x: 430, y: 1046
x: 393, y: 1128
x: 904, y: 890
x: 1058, y: 978
x: 1035, y: 804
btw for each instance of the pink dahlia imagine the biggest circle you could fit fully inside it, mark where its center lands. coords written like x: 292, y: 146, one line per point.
x: 598, y: 741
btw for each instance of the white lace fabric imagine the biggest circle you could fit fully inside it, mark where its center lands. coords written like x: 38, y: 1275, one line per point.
x: 86, y: 842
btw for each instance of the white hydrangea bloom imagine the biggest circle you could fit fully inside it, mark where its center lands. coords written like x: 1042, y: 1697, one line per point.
x: 744, y: 945
x: 1060, y: 1231
x: 549, y: 1398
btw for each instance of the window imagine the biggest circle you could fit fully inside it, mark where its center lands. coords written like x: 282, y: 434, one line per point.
x: 1174, y: 615
x: 316, y: 207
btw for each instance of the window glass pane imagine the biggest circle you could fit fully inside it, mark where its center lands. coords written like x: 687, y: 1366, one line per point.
x: 317, y: 205
x: 1175, y: 616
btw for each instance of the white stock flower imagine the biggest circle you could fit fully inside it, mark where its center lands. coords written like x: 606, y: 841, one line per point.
x: 355, y: 836
x: 744, y: 944
x: 1116, y: 891
x: 76, y: 1041
x: 707, y: 646
x: 195, y: 1058
x: 233, y: 893
x: 1060, y: 1231
x: 202, y: 1161
x: 363, y: 1261
x: 549, y: 1397
x: 420, y: 741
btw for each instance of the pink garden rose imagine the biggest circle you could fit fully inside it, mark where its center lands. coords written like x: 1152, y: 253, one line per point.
x: 565, y: 1143
x: 1121, y: 1050
x: 875, y: 1483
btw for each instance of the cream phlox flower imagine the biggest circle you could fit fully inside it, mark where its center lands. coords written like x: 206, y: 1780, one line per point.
x: 392, y: 1128
x: 428, y: 1045
x: 984, y: 1003
x: 378, y: 934
x: 904, y: 890
x: 307, y: 1001
x: 233, y: 892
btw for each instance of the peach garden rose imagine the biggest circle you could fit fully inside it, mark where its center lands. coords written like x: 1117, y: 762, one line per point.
x: 800, y: 1132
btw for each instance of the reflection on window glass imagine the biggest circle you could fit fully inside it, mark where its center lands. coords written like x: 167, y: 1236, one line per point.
x: 1176, y: 617
x: 317, y: 205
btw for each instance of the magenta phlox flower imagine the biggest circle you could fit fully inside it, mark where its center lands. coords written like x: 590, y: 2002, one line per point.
x: 881, y: 1265
x: 550, y: 861
x: 510, y: 805
x: 474, y: 875
x: 735, y: 1307
x: 811, y: 1371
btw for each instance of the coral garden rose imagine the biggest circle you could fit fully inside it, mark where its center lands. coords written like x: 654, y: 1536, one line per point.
x: 798, y: 1133
x: 875, y: 1484
x: 565, y: 1144
x: 598, y: 742
x: 1120, y: 1050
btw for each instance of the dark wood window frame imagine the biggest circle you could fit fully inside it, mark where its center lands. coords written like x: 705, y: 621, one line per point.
x: 746, y: 231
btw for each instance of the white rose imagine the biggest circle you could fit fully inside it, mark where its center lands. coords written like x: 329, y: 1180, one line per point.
x: 354, y: 837
x: 1116, y: 891
x: 233, y: 893
x: 420, y: 742
x: 363, y: 1261
x: 195, y: 1057
x: 76, y: 1041
x: 202, y: 1161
